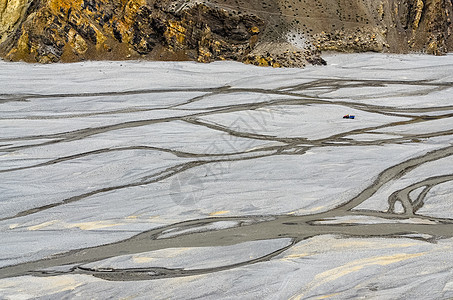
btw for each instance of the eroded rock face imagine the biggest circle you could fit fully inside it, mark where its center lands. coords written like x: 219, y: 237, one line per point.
x: 270, y: 32
x: 114, y: 29
x: 11, y: 12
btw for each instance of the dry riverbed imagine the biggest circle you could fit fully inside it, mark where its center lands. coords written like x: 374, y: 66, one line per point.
x: 223, y: 180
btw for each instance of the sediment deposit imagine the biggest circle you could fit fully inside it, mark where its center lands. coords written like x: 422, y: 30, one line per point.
x: 224, y: 180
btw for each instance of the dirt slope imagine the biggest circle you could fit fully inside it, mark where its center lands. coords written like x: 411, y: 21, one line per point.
x: 267, y: 32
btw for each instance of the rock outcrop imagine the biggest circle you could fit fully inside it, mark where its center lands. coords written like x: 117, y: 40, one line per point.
x: 269, y: 32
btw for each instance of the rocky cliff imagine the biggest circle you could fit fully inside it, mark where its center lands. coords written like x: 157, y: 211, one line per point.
x: 266, y: 32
